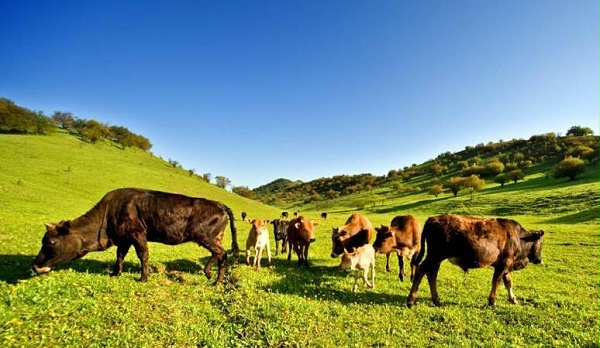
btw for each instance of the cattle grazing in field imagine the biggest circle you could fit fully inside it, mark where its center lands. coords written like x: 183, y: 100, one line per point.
x: 244, y: 216
x: 470, y: 242
x: 296, y: 213
x: 133, y: 217
x: 300, y: 235
x: 284, y: 214
x: 403, y: 236
x: 324, y: 215
x: 280, y: 233
x: 361, y: 260
x: 258, y: 238
x: 356, y: 232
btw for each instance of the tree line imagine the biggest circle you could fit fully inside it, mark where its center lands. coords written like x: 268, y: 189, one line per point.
x: 15, y: 119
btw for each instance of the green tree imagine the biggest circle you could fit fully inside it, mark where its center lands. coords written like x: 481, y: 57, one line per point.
x: 570, y: 167
x: 494, y: 168
x: 579, y: 131
x: 516, y: 175
x: 454, y: 184
x: 473, y: 183
x: 501, y: 179
x: 435, y: 190
x: 222, y: 181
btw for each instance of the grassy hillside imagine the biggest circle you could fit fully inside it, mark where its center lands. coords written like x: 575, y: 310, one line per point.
x: 49, y: 178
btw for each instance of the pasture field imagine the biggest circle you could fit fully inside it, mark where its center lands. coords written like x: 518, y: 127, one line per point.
x: 78, y: 304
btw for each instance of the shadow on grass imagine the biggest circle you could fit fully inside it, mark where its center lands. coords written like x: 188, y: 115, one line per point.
x: 587, y: 215
x: 322, y: 283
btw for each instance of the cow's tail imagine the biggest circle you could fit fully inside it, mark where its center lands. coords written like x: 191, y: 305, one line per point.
x: 417, y: 260
x: 234, y: 243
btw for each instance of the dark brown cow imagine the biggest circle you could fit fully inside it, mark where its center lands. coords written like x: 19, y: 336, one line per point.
x: 133, y: 217
x: 470, y: 242
x: 300, y: 234
x: 357, y: 232
x: 404, y: 237
x: 280, y: 233
x: 324, y: 215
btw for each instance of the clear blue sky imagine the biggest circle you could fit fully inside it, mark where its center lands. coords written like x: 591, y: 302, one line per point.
x: 260, y: 90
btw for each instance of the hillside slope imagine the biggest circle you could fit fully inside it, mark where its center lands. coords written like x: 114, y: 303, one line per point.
x: 60, y: 177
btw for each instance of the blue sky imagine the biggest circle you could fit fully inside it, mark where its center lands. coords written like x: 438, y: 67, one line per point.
x: 261, y: 90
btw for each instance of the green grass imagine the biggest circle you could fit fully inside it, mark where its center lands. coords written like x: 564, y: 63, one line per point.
x: 283, y: 306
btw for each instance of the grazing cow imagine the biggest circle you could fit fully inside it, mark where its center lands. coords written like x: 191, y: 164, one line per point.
x: 280, y: 232
x: 258, y: 238
x: 361, y: 259
x: 470, y: 242
x: 296, y: 214
x: 300, y: 234
x: 356, y: 232
x: 324, y: 215
x: 284, y: 214
x: 244, y: 216
x: 133, y: 217
x: 403, y: 237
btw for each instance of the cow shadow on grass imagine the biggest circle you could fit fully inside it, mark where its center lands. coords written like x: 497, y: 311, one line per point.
x: 323, y: 283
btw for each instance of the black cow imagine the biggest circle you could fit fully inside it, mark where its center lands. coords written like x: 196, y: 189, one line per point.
x: 470, y: 242
x: 324, y: 215
x: 280, y: 232
x: 244, y: 216
x: 133, y: 217
x: 284, y: 214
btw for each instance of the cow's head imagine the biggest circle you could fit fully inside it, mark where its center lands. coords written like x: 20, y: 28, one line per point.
x: 531, y: 249
x: 59, y: 245
x: 337, y: 239
x: 280, y: 229
x: 348, y: 260
x: 306, y: 228
x: 384, y: 240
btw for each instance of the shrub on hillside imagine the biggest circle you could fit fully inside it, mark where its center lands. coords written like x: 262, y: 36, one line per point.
x: 570, y: 167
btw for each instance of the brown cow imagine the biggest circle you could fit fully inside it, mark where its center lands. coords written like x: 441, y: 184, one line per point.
x: 258, y: 238
x: 133, y: 217
x: 300, y: 234
x: 404, y: 237
x: 470, y: 242
x: 357, y: 231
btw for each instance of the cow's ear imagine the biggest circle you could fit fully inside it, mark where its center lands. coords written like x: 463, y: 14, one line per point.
x: 378, y: 229
x: 64, y: 227
x: 50, y: 227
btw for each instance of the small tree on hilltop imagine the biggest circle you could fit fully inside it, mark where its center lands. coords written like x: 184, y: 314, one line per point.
x: 516, y: 175
x: 579, y: 131
x: 570, y: 167
x: 454, y: 185
x: 501, y: 179
x: 435, y: 190
x: 473, y: 183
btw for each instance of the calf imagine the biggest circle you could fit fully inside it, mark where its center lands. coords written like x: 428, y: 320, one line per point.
x: 258, y: 238
x: 403, y: 237
x: 133, y: 217
x: 300, y: 235
x: 356, y: 232
x: 361, y: 259
x: 280, y: 233
x: 470, y: 242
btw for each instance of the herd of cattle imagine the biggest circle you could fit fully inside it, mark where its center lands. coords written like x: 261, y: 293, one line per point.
x: 133, y: 217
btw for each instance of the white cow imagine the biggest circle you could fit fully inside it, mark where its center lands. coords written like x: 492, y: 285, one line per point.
x: 361, y: 259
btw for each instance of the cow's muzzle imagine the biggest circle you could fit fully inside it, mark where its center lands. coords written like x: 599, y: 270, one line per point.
x: 34, y: 270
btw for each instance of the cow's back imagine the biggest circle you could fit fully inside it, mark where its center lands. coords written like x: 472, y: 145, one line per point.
x: 406, y: 230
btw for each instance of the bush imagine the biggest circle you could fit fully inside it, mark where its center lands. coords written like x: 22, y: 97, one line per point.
x: 570, y: 167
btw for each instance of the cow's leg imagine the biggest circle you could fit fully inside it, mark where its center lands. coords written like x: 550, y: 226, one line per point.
x: 498, y: 273
x: 289, y: 251
x: 284, y: 243
x: 387, y: 262
x: 413, y: 264
x: 365, y: 277
x: 305, y: 255
x: 257, y: 254
x: 222, y: 267
x: 401, y: 266
x: 248, y: 256
x: 420, y: 272
x: 141, y: 249
x: 122, y: 251
x: 508, y: 284
x: 268, y: 253
x: 373, y: 273
x: 432, y: 279
x: 356, y: 276
x: 277, y: 247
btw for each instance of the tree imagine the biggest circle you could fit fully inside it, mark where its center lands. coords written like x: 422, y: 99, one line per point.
x: 494, y: 168
x: 473, y: 183
x: 579, y: 131
x: 435, y: 190
x: 570, y: 167
x: 501, y: 179
x: 581, y: 151
x: 64, y: 120
x: 222, y: 181
x: 454, y: 184
x: 243, y: 191
x: 516, y: 175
